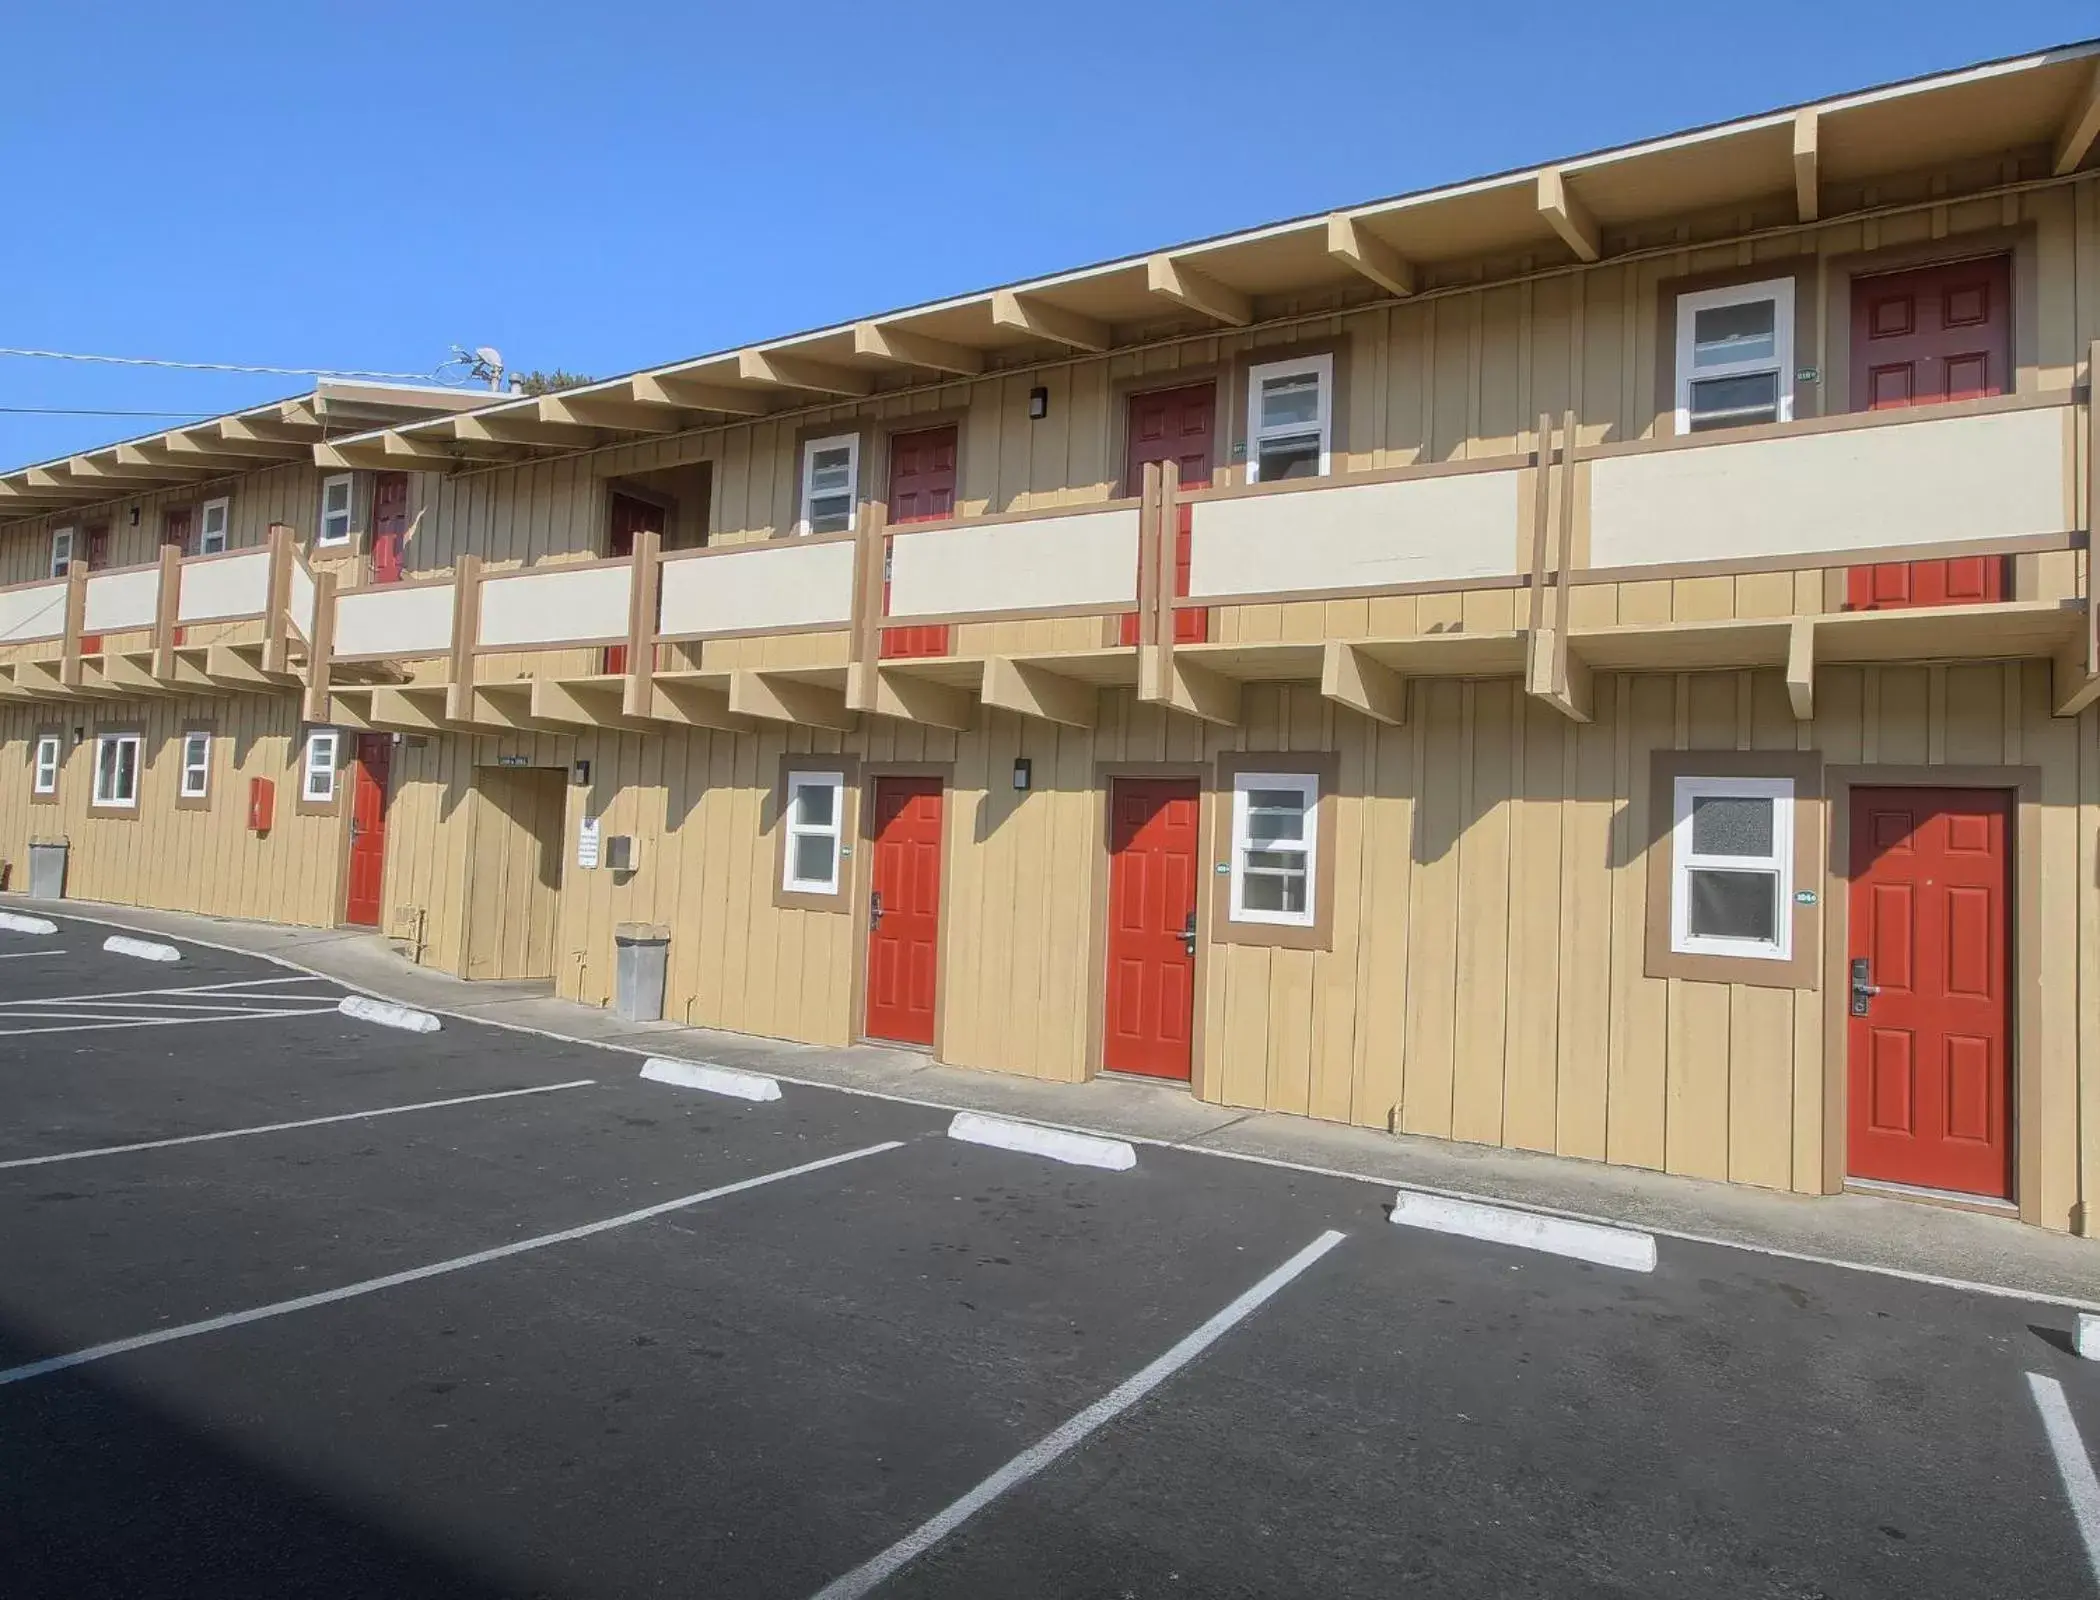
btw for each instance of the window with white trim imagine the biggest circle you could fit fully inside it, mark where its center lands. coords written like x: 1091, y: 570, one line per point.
x: 1275, y: 847
x: 1735, y: 356
x: 815, y: 823
x: 830, y: 483
x: 1290, y: 418
x: 196, y: 764
x: 61, y: 551
x: 317, y: 779
x: 1732, y: 867
x: 336, y: 494
x: 117, y: 769
x: 214, y: 517
x: 44, y: 768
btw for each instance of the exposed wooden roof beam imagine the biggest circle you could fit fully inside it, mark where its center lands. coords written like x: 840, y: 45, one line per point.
x: 625, y: 416
x: 1807, y: 159
x: 513, y: 427
x: 1029, y: 314
x: 1568, y: 216
x: 213, y: 445
x: 246, y: 430
x: 398, y: 450
x: 1361, y: 252
x: 799, y: 372
x: 43, y: 481
x: 2082, y: 127
x: 1185, y: 286
x: 910, y: 349
x: 692, y: 395
x: 157, y: 454
x: 118, y: 474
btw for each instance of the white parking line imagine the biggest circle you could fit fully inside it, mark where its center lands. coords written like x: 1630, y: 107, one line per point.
x: 2073, y: 1466
x: 28, y: 955
x: 1067, y: 1435
x: 161, y: 1022
x: 191, y: 988
x: 285, y: 1127
x: 393, y: 1280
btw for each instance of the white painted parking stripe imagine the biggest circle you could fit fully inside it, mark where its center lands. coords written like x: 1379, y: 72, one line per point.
x: 2073, y: 1465
x: 394, y: 1280
x: 118, y: 944
x: 1074, y: 1431
x: 190, y: 988
x: 1033, y: 1139
x: 160, y: 1022
x: 28, y: 955
x: 1527, y: 1230
x: 286, y: 1127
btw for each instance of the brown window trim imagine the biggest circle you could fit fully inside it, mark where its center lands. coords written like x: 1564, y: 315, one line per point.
x: 1325, y: 767
x: 333, y: 805
x: 1233, y: 392
x: 862, y: 428
x: 848, y: 767
x: 1802, y: 970
x: 111, y: 730
x: 58, y: 781
x: 1808, y: 397
x: 195, y: 802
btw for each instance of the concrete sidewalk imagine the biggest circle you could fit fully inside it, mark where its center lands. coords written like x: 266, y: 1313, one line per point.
x: 1853, y: 1230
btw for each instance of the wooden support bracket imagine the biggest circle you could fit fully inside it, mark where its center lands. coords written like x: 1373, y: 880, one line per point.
x: 913, y: 699
x: 320, y: 650
x: 76, y: 624
x: 167, y: 607
x: 277, y: 609
x: 1040, y: 692
x: 1351, y: 678
x: 695, y: 705
x: 1801, y: 668
x: 466, y: 629
x: 413, y: 710
x: 1201, y: 692
x: 772, y: 698
x: 575, y: 705
x: 231, y: 667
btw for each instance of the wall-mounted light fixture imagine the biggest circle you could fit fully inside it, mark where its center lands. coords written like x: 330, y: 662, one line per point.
x: 1022, y: 772
x: 80, y: 736
x: 1038, y: 404
x: 134, y: 516
x: 580, y: 772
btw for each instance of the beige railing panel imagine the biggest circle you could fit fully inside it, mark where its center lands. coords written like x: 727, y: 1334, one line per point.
x: 224, y: 586
x: 33, y: 611
x: 561, y: 606
x: 1394, y: 534
x: 118, y: 601
x: 1086, y: 561
x: 791, y: 584
x: 1935, y: 480
x: 299, y: 600
x: 394, y: 621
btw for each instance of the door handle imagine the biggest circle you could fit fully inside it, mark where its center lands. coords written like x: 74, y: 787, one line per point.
x: 1863, y: 988
x: 1188, y: 936
x: 874, y: 908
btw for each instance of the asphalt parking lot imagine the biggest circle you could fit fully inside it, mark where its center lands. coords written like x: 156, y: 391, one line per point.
x: 558, y: 1331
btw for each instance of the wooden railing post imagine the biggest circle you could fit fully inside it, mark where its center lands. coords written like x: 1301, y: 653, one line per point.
x: 277, y: 609
x: 1149, y: 676
x: 1541, y: 501
x: 2092, y: 505
x: 76, y: 623
x: 466, y: 632
x: 320, y: 649
x: 642, y: 589
x: 864, y: 632
x: 167, y: 607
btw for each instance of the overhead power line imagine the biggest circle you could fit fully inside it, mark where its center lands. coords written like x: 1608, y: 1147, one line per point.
x: 92, y: 411
x: 214, y: 366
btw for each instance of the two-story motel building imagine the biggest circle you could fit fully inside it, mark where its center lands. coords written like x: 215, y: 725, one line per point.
x: 1597, y: 659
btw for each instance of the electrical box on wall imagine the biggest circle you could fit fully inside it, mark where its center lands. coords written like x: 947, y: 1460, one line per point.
x: 262, y: 804
x: 620, y: 852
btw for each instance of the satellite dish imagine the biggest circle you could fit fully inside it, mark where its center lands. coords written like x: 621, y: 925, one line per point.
x: 489, y: 355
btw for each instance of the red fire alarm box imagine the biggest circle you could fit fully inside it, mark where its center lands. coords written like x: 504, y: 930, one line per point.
x: 262, y: 804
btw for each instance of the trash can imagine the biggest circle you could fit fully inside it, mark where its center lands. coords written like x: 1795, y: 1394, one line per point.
x: 47, y: 869
x: 640, y: 951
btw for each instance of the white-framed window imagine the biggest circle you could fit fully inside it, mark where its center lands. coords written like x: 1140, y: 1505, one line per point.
x: 62, y: 540
x: 1275, y: 847
x: 815, y: 821
x: 1735, y: 356
x: 196, y: 764
x: 1732, y: 867
x: 44, y: 768
x: 1290, y: 418
x: 117, y: 769
x: 336, y: 497
x: 213, y: 519
x: 830, y: 484
x: 317, y: 773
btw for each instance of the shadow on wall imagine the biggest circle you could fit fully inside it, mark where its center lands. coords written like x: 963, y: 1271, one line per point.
x: 110, y: 1493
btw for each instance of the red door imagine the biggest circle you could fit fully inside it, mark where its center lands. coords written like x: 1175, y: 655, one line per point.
x: 904, y: 909
x: 368, y: 780
x: 97, y: 560
x: 1930, y: 1074
x: 1151, y: 923
x: 1923, y: 338
x: 625, y: 518
x: 389, y: 525
x: 1174, y: 425
x: 922, y: 489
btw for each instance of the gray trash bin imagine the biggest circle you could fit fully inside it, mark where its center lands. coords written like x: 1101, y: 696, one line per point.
x: 640, y: 951
x: 47, y: 868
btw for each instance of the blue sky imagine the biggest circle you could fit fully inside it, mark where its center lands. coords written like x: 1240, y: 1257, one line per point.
x: 606, y: 187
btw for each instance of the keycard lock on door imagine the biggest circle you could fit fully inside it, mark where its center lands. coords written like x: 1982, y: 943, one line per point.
x: 1863, y: 990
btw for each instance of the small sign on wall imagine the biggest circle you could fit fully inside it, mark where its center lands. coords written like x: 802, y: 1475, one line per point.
x: 587, y: 843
